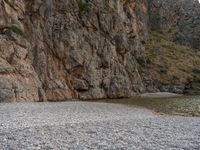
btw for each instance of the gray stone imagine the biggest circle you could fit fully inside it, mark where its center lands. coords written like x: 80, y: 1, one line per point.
x: 89, y: 125
x: 181, y: 17
x: 63, y: 51
x: 56, y: 51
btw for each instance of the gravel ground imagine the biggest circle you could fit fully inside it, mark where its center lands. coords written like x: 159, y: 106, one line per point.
x: 160, y: 95
x: 88, y: 125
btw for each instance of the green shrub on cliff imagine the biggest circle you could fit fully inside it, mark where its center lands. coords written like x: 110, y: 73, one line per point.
x: 16, y: 30
x: 82, y: 4
x: 110, y: 4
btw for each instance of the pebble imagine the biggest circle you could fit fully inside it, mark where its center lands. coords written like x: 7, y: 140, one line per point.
x: 89, y: 125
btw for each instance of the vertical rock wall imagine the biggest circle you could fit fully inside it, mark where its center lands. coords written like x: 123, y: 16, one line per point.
x: 63, y: 49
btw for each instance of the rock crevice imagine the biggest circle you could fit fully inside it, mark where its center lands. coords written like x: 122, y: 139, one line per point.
x: 71, y: 49
x: 87, y: 49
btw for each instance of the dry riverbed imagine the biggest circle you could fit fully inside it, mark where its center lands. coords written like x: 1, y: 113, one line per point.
x: 88, y: 125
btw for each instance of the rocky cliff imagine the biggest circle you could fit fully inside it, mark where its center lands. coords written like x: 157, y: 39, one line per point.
x: 174, y: 44
x: 88, y: 49
x: 182, y: 17
x: 62, y: 49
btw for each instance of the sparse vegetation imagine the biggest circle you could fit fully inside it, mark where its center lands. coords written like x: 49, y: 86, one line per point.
x: 16, y: 30
x: 176, y: 60
x: 82, y: 4
x: 111, y: 4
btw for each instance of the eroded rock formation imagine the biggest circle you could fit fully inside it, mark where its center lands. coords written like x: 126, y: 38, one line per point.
x: 88, y: 49
x: 174, y: 44
x: 63, y: 49
x: 182, y: 17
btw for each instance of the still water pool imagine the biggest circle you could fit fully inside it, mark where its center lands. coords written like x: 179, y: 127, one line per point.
x: 183, y: 105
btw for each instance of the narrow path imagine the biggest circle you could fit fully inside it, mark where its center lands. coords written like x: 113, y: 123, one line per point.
x: 87, y: 125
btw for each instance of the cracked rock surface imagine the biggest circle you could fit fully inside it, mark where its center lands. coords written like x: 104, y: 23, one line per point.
x: 57, y: 50
x: 89, y: 125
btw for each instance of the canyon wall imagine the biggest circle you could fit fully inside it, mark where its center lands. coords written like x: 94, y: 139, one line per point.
x: 55, y: 50
x: 66, y: 49
x: 174, y: 44
x: 182, y: 17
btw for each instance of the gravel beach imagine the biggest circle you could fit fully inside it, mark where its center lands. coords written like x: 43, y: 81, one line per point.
x: 160, y: 95
x: 89, y: 125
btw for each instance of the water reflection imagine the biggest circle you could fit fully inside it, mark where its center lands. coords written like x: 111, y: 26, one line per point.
x: 184, y: 105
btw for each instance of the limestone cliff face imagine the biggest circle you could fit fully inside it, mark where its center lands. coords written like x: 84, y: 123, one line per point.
x: 90, y: 49
x: 181, y: 16
x: 63, y: 49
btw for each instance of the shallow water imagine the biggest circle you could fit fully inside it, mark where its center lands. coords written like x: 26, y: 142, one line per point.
x: 184, y: 105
